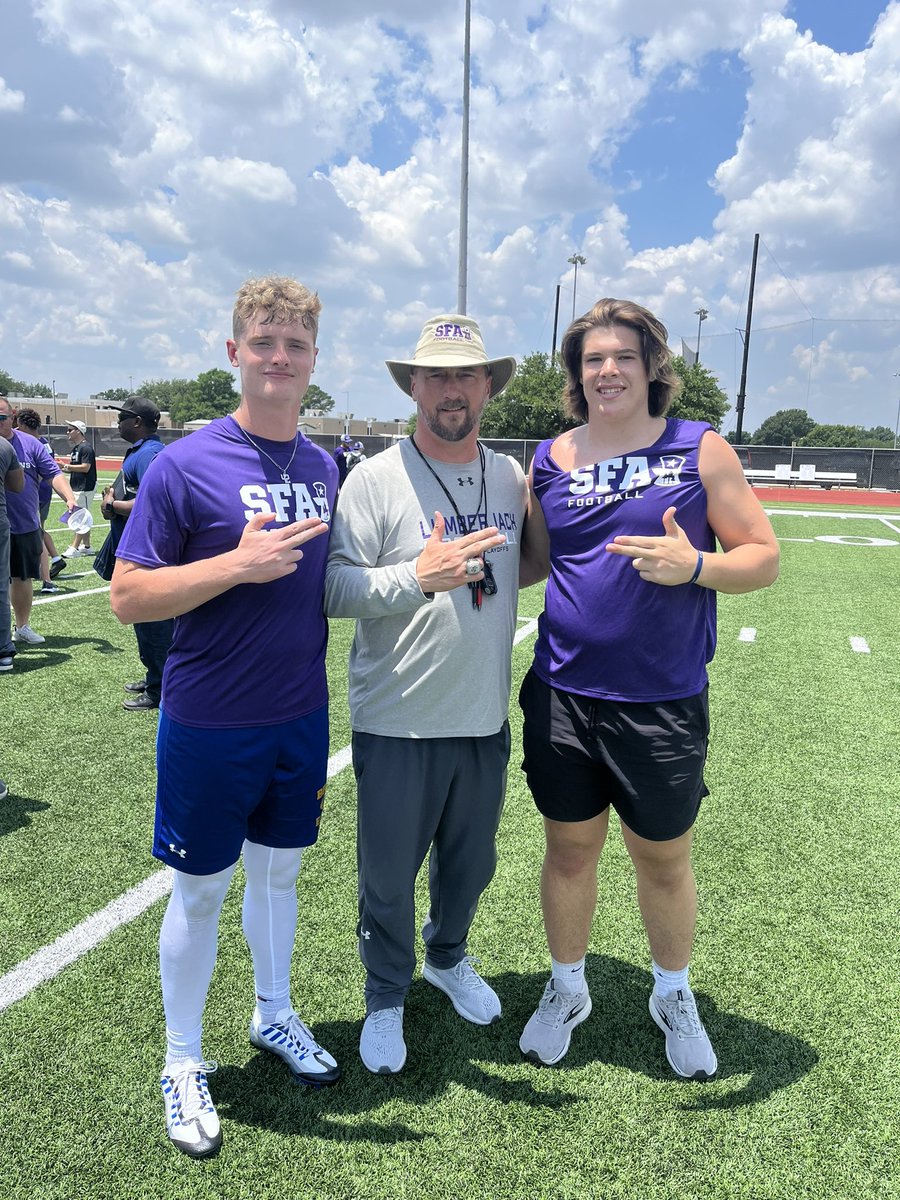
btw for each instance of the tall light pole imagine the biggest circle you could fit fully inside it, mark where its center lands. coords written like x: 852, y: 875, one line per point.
x: 53, y: 389
x: 463, y: 267
x: 577, y: 260
x: 897, y: 424
x: 702, y: 313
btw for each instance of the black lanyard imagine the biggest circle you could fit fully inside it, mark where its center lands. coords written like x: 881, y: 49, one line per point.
x: 476, y: 587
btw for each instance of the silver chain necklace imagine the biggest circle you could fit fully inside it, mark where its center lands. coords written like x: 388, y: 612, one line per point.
x: 285, y: 471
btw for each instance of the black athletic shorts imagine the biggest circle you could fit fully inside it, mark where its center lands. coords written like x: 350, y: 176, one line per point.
x: 25, y: 554
x: 646, y: 760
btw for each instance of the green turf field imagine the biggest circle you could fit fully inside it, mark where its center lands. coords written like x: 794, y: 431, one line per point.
x: 796, y: 962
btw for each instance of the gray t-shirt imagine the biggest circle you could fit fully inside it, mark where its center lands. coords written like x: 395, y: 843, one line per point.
x: 420, y: 666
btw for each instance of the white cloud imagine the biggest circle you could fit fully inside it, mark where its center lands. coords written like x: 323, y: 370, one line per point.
x: 11, y: 100
x: 173, y: 149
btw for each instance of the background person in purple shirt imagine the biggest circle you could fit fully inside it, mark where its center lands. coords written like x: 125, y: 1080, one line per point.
x: 631, y: 504
x: 26, y: 540
x: 229, y: 535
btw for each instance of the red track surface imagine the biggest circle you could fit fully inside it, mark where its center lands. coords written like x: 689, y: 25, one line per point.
x: 777, y: 495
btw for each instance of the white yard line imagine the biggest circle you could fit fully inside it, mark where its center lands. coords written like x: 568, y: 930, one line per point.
x: 859, y: 645
x: 47, y: 962
x: 747, y: 634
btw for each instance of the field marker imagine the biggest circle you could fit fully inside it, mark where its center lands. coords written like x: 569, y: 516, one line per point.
x: 46, y: 963
x: 747, y: 635
x: 860, y: 645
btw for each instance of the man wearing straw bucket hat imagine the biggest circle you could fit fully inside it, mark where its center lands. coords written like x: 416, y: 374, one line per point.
x: 425, y: 553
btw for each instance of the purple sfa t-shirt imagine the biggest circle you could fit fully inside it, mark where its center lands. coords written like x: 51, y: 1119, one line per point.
x: 38, y: 463
x: 605, y: 632
x: 256, y: 654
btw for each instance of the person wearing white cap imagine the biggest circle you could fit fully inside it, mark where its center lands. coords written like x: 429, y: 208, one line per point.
x: 425, y: 553
x: 82, y: 471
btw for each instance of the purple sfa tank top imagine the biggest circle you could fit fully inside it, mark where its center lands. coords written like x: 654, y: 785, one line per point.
x: 606, y: 632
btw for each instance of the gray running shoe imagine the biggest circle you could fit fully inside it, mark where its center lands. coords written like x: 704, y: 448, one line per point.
x: 688, y: 1047
x: 545, y: 1039
x: 471, y: 996
x: 381, y: 1044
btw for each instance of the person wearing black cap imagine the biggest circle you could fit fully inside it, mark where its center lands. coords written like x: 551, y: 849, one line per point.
x: 138, y: 421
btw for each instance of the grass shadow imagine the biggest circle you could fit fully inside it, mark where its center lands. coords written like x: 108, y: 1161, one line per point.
x: 14, y: 812
x: 621, y: 1032
x: 55, y: 650
x: 445, y: 1051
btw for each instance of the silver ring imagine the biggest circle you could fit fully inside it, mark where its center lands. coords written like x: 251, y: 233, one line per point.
x: 473, y: 566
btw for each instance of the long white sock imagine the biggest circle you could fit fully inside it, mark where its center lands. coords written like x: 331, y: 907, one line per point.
x: 670, y: 981
x: 188, y: 941
x: 270, y: 922
x: 568, y: 977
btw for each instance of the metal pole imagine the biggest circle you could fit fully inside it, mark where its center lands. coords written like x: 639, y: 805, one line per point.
x: 56, y: 421
x: 576, y: 260
x: 464, y: 174
x: 702, y: 313
x: 897, y: 425
x: 555, y: 325
x: 742, y: 394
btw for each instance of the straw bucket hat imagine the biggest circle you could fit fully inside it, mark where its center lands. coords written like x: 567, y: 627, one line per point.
x: 452, y: 340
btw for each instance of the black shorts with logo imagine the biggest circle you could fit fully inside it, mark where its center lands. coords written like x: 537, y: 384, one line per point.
x: 645, y: 759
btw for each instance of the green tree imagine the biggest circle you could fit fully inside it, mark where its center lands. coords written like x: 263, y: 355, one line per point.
x: 211, y: 395
x: 9, y: 385
x: 168, y: 394
x: 317, y: 400
x: 700, y: 398
x: 784, y: 427
x: 113, y: 395
x: 531, y: 407
x: 841, y: 435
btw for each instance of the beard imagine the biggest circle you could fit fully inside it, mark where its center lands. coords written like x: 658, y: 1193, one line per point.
x: 449, y: 432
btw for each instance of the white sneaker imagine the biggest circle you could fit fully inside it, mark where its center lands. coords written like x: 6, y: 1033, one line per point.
x: 191, y: 1119
x: 24, y: 633
x: 688, y: 1047
x: 71, y: 552
x: 293, y: 1041
x: 471, y: 996
x: 381, y: 1045
x: 545, y: 1039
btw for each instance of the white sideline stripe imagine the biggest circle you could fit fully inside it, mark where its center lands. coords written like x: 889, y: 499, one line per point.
x: 47, y: 962
x: 71, y: 595
x: 747, y: 635
x: 525, y: 631
x: 860, y: 645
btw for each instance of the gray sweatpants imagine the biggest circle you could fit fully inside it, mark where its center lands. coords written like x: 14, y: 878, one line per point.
x: 446, y: 793
x: 7, y: 646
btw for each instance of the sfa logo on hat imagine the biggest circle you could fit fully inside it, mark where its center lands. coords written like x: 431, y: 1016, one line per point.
x: 451, y: 331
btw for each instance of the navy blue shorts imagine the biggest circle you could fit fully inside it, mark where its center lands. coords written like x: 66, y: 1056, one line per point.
x: 582, y: 755
x: 217, y: 787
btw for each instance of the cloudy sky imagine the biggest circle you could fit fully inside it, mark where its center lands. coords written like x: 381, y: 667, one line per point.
x: 153, y: 155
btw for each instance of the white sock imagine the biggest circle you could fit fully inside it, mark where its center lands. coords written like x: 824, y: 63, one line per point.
x: 188, y: 941
x: 670, y: 981
x: 568, y: 977
x: 270, y: 922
